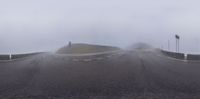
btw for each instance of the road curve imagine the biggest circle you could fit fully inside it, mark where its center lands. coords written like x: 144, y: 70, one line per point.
x: 133, y: 74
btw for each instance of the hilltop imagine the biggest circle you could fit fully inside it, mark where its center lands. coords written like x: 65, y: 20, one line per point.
x: 80, y: 48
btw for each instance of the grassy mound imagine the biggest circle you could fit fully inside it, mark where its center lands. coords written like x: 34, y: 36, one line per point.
x: 85, y: 48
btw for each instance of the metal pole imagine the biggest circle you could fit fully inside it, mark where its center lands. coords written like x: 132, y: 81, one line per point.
x: 176, y: 44
x: 168, y: 45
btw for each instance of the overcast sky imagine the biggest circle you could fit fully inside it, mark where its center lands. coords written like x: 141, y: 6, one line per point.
x: 45, y: 25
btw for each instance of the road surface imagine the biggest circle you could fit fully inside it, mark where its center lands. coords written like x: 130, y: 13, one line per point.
x: 127, y: 74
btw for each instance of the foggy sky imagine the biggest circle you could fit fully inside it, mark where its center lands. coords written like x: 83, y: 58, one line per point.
x: 45, y: 25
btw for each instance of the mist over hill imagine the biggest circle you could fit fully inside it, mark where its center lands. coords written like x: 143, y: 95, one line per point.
x: 140, y: 46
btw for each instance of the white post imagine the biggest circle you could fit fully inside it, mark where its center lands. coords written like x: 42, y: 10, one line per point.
x: 10, y: 56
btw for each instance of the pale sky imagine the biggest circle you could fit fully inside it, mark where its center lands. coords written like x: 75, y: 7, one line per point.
x: 45, y: 25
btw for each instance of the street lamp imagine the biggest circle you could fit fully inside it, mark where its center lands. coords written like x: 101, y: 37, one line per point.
x: 168, y: 45
x: 177, y: 42
x: 70, y: 44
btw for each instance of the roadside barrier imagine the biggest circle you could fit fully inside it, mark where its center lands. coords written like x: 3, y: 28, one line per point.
x: 16, y: 56
x: 4, y: 57
x: 193, y: 57
x: 174, y: 54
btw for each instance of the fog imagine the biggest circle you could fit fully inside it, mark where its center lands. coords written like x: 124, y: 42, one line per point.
x: 46, y: 25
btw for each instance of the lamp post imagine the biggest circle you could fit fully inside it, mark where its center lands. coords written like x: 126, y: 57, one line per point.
x: 177, y: 42
x: 168, y: 45
x: 70, y: 44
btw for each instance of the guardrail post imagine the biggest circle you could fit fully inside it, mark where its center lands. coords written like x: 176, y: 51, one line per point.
x: 10, y: 57
x: 185, y: 56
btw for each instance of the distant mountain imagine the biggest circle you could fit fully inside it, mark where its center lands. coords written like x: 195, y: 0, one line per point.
x: 80, y: 48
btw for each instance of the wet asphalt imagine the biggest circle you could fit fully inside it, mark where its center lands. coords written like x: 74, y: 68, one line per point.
x: 126, y: 74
